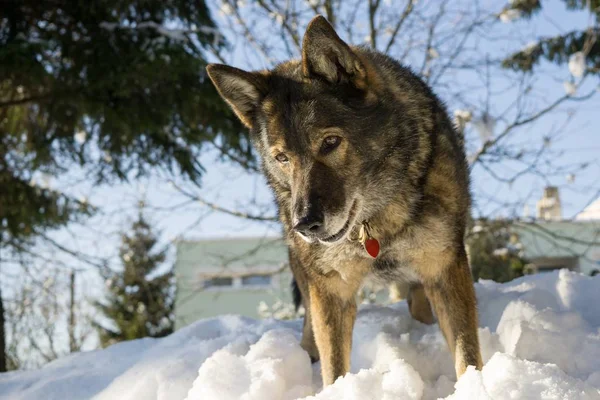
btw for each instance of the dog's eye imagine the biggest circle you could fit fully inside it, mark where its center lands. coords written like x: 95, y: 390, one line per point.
x: 330, y: 143
x: 282, y: 158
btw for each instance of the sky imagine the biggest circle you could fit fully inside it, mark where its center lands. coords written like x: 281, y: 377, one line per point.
x: 233, y: 188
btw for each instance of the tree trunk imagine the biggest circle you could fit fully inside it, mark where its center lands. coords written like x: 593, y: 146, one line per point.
x: 72, y: 344
x: 2, y: 337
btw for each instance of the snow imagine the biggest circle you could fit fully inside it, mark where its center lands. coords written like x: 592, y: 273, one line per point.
x: 570, y: 88
x: 226, y: 9
x: 80, y: 136
x: 485, y: 127
x: 463, y: 114
x: 590, y: 213
x: 179, y: 35
x: 540, y: 339
x: 507, y: 377
x: 577, y: 64
x: 510, y: 15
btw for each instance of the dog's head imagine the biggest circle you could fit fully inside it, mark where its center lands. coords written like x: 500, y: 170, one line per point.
x: 316, y: 124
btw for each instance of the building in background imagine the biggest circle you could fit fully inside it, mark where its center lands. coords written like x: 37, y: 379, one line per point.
x: 549, y: 207
x: 551, y: 245
x: 234, y: 276
x: 229, y: 276
x: 550, y: 242
x: 240, y: 276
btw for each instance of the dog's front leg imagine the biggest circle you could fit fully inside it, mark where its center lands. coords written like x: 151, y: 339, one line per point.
x: 332, y: 313
x: 452, y: 296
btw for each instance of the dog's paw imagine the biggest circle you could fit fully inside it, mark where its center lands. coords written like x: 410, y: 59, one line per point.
x: 311, y: 349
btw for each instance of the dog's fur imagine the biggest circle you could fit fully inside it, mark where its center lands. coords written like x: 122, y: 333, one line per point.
x: 348, y: 135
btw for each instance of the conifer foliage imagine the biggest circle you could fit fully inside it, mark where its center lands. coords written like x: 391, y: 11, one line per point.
x: 116, y: 87
x: 141, y: 298
x: 580, y: 45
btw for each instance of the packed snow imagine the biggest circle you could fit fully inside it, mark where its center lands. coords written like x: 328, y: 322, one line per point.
x: 540, y: 339
x: 577, y: 64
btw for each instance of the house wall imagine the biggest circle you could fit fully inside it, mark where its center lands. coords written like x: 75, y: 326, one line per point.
x: 199, y: 261
x: 192, y: 305
x: 562, y: 239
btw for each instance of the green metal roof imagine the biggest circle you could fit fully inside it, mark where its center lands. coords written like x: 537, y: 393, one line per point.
x: 543, y: 239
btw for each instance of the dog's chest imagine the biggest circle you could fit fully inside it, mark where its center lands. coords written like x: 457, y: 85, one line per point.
x: 352, y: 262
x: 387, y: 269
x: 397, y: 261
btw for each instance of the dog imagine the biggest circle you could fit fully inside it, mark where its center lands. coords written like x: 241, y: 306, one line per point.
x: 371, y: 180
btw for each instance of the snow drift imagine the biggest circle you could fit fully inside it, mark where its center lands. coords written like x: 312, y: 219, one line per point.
x: 540, y: 338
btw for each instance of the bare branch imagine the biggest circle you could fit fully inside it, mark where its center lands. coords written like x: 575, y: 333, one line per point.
x: 519, y: 122
x: 329, y: 13
x: 407, y: 10
x: 430, y: 37
x: 250, y: 36
x: 100, y: 263
x: 238, y: 160
x: 373, y: 6
x: 458, y: 50
x: 216, y: 207
x: 24, y: 100
x: 293, y: 34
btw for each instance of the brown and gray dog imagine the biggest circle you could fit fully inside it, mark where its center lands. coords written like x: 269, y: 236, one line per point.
x: 358, y: 150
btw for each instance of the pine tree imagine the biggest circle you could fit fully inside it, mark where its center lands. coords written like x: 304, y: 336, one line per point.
x: 561, y: 48
x: 116, y: 87
x: 140, y: 300
x: 494, y: 252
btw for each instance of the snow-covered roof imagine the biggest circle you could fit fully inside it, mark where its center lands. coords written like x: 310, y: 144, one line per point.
x: 591, y: 212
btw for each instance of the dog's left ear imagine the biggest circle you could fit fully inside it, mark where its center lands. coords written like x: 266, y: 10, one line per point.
x: 324, y: 54
x: 242, y: 90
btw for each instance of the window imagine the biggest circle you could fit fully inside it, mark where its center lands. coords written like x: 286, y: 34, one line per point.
x: 544, y: 270
x: 256, y: 280
x: 218, y: 282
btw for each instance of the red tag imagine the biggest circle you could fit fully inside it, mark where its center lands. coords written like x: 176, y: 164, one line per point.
x: 372, y: 247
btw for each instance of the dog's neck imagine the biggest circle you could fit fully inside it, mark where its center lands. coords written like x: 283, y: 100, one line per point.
x: 362, y: 233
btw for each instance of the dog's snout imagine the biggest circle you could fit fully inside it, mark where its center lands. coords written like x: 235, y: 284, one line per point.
x: 310, y: 225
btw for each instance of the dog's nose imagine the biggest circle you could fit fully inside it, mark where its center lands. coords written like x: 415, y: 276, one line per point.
x: 310, y: 225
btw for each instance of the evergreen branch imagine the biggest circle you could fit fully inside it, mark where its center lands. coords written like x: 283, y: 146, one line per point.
x: 24, y: 100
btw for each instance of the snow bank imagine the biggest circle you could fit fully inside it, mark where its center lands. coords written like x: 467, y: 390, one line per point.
x: 540, y: 338
x: 275, y: 367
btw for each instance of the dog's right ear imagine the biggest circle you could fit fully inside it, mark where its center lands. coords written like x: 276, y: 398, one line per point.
x: 242, y: 90
x: 324, y: 54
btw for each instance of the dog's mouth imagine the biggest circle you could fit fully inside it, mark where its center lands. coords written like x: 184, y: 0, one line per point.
x: 342, y: 232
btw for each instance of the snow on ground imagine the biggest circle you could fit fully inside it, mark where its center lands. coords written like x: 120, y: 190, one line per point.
x: 540, y: 337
